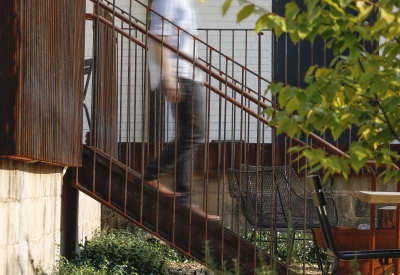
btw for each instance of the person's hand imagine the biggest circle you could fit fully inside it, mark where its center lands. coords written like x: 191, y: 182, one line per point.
x: 172, y: 90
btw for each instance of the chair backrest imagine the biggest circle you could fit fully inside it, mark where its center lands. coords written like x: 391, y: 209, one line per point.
x: 259, y: 197
x: 320, y: 202
x: 278, y: 190
x: 298, y: 202
x: 233, y: 179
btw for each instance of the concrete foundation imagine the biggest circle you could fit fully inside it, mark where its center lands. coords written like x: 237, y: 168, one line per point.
x: 30, y: 207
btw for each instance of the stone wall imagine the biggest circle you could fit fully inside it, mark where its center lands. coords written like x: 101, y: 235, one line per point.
x: 30, y: 207
x: 351, y: 210
x: 89, y: 217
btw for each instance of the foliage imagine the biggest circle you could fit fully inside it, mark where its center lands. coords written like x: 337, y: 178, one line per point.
x: 263, y: 269
x: 120, y: 252
x: 359, y: 89
x: 303, y: 246
x: 122, y: 248
x: 66, y: 267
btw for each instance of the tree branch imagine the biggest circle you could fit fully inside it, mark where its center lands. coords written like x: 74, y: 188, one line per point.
x: 388, y: 123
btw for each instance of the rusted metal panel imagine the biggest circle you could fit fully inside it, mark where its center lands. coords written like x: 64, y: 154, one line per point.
x: 104, y: 100
x: 41, y: 80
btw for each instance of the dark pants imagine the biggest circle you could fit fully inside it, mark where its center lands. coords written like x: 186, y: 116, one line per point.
x: 189, y: 118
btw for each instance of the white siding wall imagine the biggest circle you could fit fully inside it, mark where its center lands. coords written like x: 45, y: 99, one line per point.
x: 242, y: 46
x: 232, y: 44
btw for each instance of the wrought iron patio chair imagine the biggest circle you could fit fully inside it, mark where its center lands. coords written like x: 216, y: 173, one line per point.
x: 274, y: 198
x: 293, y: 204
x: 322, y: 211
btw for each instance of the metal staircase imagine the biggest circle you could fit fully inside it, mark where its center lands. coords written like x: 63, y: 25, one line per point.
x: 120, y: 147
x: 121, y: 189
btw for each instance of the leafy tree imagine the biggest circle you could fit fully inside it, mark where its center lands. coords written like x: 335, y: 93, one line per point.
x: 359, y: 89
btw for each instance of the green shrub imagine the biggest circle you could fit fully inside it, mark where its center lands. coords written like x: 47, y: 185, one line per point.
x: 66, y: 267
x: 263, y: 239
x: 124, y: 249
x: 119, y: 252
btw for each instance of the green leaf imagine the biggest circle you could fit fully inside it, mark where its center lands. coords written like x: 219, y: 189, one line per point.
x: 349, y: 38
x: 292, y: 105
x: 364, y: 9
x: 275, y: 87
x: 380, y: 24
x: 387, y: 15
x: 226, y: 6
x: 286, y: 94
x: 245, y: 12
x: 262, y: 22
x: 291, y: 10
x: 358, y: 156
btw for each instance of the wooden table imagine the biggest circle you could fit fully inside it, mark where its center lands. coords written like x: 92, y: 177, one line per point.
x: 377, y: 197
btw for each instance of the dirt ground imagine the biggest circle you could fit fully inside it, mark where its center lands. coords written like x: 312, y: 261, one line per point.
x: 198, y: 269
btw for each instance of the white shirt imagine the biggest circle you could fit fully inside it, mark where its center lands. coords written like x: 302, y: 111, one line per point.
x: 181, y: 13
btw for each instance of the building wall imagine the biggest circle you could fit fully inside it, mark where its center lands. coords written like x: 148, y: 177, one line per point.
x: 30, y: 207
x: 89, y: 217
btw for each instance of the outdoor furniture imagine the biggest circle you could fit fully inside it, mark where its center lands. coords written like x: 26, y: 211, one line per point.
x: 274, y: 198
x: 320, y: 202
x: 278, y: 190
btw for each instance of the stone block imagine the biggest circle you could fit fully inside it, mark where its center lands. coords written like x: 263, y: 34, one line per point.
x: 3, y: 227
x: 35, y: 220
x: 343, y: 205
x: 14, y: 187
x: 49, y: 242
x: 18, y: 259
x: 5, y: 182
x: 391, y: 186
x: 40, y: 224
x: 352, y: 185
x: 23, y: 219
x: 12, y: 210
x: 3, y: 260
x: 361, y: 209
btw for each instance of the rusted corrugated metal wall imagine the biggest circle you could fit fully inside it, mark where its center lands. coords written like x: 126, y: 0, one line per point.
x: 41, y: 80
x: 104, y: 99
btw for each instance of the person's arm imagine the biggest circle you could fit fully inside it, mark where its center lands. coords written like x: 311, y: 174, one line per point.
x: 170, y: 82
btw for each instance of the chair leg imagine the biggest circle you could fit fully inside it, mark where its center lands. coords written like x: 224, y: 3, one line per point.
x: 325, y: 269
x: 317, y: 253
x: 292, y: 235
x: 335, y: 266
x: 275, y: 246
x: 253, y: 235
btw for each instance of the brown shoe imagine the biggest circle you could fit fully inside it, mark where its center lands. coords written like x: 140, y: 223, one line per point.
x: 202, y: 214
x: 156, y: 183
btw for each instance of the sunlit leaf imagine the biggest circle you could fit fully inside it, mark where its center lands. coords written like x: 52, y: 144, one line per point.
x: 245, y: 12
x: 358, y: 156
x: 365, y: 10
x: 291, y: 10
x: 226, y: 6
x: 387, y: 15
